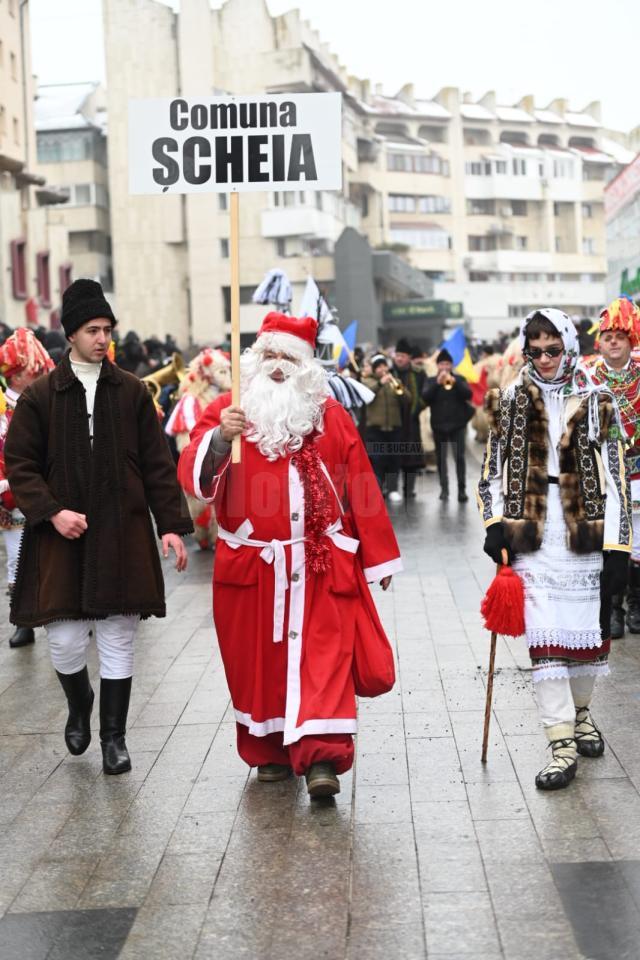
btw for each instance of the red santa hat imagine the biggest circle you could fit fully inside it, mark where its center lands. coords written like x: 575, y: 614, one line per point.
x: 285, y: 334
x: 23, y: 351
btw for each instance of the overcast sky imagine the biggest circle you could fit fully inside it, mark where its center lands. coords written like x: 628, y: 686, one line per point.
x: 582, y: 50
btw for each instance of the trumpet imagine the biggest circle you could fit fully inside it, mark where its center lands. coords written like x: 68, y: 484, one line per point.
x: 172, y: 372
x: 450, y: 382
x: 397, y: 386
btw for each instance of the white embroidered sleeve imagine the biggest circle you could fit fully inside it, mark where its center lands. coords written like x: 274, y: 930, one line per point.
x: 617, y: 513
x: 489, y: 493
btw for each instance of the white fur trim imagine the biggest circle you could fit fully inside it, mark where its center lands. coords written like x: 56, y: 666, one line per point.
x: 203, y: 449
x: 285, y: 343
x: 296, y: 606
x: 309, y: 728
x: 386, y: 569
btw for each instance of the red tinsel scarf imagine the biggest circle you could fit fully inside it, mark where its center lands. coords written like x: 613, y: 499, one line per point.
x: 317, y: 506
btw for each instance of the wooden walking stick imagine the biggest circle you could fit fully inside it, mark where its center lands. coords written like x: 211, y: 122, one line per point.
x: 503, y: 612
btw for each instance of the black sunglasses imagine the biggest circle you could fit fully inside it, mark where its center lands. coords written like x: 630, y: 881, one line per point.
x: 534, y: 353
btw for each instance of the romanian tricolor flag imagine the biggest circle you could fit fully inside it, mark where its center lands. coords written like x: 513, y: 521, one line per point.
x: 456, y: 344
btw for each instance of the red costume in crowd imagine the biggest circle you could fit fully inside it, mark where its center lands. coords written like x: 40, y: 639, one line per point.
x: 300, y: 535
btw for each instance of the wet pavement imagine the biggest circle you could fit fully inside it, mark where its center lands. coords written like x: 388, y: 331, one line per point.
x: 425, y: 853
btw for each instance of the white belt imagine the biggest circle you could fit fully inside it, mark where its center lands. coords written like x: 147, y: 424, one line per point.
x: 272, y: 551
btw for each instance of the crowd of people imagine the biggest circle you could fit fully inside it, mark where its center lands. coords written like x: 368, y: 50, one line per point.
x: 290, y: 485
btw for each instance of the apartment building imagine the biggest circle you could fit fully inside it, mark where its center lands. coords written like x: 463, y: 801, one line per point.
x: 71, y: 141
x: 495, y: 207
x: 35, y: 265
x: 502, y: 206
x: 622, y: 211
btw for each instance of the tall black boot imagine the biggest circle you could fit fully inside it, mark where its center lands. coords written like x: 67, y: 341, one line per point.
x: 633, y: 598
x: 77, y: 688
x: 21, y: 636
x: 617, y: 616
x: 114, y: 707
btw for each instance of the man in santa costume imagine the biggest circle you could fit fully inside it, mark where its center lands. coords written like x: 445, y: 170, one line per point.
x: 618, y: 335
x: 22, y: 360
x: 302, y: 530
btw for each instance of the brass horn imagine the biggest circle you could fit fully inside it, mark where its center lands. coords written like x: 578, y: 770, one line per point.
x: 173, y: 372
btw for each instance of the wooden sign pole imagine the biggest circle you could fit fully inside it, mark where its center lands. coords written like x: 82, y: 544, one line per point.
x: 234, y: 253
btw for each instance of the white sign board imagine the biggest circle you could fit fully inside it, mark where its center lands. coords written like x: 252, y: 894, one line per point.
x: 235, y: 144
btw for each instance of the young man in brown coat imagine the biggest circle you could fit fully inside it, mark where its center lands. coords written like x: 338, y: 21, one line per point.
x: 86, y: 460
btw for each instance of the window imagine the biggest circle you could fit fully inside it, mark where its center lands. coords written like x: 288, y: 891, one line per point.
x: 519, y: 167
x: 519, y: 208
x: 401, y: 204
x: 501, y: 166
x: 3, y: 120
x: 558, y: 245
x: 478, y: 168
x: 43, y: 278
x: 16, y: 130
x: 563, y: 169
x: 557, y: 209
x: 82, y: 193
x: 224, y: 248
x: 281, y: 247
x: 482, y: 243
x: 19, y: 269
x: 587, y: 211
x: 64, y: 276
x: 521, y: 243
x: 13, y: 66
x: 70, y: 145
x: 481, y: 207
x: 422, y: 238
x: 593, y: 171
x: 222, y: 201
x: 588, y: 246
x: 318, y: 196
x: 417, y: 163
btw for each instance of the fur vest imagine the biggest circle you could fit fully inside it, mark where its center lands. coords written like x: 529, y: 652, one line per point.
x: 522, y: 427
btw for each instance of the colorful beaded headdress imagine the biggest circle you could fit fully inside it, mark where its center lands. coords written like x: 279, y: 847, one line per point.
x: 622, y: 314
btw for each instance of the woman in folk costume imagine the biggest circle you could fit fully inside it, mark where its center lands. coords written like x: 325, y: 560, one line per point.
x: 22, y: 360
x: 617, y: 369
x: 302, y: 529
x: 553, y: 494
x: 208, y: 375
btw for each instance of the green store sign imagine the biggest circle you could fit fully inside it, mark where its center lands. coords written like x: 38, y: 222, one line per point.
x: 630, y: 285
x: 422, y: 310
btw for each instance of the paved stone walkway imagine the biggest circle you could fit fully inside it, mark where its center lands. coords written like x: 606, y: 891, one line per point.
x: 424, y: 854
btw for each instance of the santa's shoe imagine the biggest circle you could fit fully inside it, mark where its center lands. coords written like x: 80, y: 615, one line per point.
x: 322, y: 780
x: 588, y: 738
x: 273, y: 772
x: 561, y: 769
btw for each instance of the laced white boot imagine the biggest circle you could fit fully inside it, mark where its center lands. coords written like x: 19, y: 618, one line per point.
x: 588, y: 738
x: 561, y: 769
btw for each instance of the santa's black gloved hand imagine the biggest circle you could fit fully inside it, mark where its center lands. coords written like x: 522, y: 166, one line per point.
x: 615, y: 573
x: 495, y: 543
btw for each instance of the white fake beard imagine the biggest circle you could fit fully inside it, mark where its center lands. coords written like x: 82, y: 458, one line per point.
x: 281, y: 415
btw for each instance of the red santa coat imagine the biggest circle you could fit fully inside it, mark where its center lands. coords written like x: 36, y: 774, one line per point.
x: 286, y: 635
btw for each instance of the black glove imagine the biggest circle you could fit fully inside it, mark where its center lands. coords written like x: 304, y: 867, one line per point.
x: 615, y: 573
x: 495, y: 542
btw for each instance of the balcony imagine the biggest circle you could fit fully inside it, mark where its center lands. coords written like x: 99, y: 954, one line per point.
x: 304, y: 220
x: 509, y: 261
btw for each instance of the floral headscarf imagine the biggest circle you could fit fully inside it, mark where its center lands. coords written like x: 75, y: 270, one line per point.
x: 572, y: 378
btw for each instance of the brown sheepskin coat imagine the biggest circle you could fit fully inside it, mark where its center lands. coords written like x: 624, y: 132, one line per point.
x: 521, y: 424
x: 114, y: 568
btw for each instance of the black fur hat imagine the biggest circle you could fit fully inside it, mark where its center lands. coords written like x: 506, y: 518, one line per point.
x: 81, y: 302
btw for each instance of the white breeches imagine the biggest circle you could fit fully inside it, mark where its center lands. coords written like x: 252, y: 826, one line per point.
x: 558, y: 698
x: 12, y: 538
x: 69, y: 640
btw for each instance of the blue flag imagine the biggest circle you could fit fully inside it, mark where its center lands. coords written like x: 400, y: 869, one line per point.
x: 456, y: 344
x: 349, y: 336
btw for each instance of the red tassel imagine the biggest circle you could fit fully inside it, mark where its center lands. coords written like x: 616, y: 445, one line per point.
x: 503, y: 604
